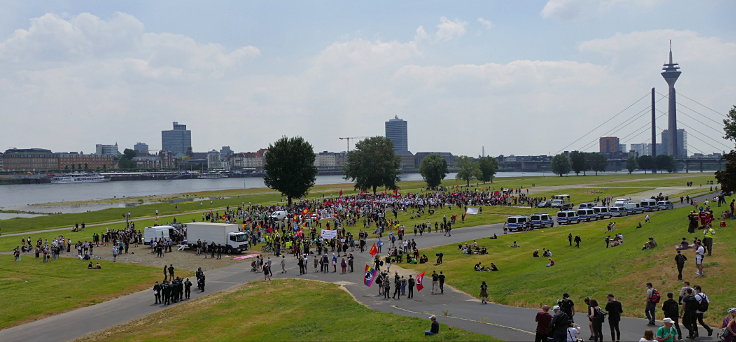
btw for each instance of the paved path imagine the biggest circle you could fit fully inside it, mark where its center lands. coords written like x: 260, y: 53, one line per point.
x: 453, y: 308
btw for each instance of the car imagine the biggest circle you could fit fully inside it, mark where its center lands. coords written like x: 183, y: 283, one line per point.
x: 567, y: 217
x: 541, y: 220
x: 618, y: 211
x: 279, y: 215
x: 649, y: 204
x: 587, y: 215
x: 560, y: 204
x: 665, y: 205
x: 517, y: 222
x: 602, y: 212
x: 543, y: 204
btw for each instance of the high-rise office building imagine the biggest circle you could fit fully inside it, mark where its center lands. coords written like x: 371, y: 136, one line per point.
x: 140, y: 148
x: 396, y: 132
x: 643, y: 149
x: 681, y: 142
x: 608, y: 144
x: 177, y: 141
x: 107, y: 150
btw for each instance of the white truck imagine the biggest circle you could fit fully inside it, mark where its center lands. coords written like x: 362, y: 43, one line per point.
x: 156, y: 233
x: 223, y: 234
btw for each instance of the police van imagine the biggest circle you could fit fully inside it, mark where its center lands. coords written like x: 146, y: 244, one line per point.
x: 587, y: 215
x: 567, y: 217
x: 618, y: 211
x: 649, y: 204
x: 665, y: 205
x: 516, y: 223
x: 541, y: 220
x: 602, y: 212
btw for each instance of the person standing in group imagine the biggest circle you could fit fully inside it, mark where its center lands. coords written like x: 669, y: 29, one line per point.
x: 410, y: 284
x: 544, y: 320
x: 667, y: 332
x: 567, y: 306
x: 157, y: 293
x: 699, y: 256
x: 435, y: 279
x: 187, y: 288
x: 653, y: 298
x: 671, y: 309
x: 441, y: 278
x: 614, y: 309
x: 560, y: 322
x: 484, y: 294
x: 689, y: 315
x: 703, y: 303
x: 729, y: 325
x: 680, y: 262
x: 708, y: 235
x: 597, y: 316
x: 171, y: 271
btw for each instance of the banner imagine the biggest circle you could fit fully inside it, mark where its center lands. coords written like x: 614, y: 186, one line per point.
x: 370, y: 276
x: 420, y: 279
x: 472, y: 211
x: 374, y: 250
x: 329, y: 234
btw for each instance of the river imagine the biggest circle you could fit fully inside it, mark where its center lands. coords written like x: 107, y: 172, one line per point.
x: 23, y: 196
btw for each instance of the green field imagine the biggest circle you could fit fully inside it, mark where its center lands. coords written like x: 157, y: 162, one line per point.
x: 32, y: 289
x: 592, y: 270
x: 280, y: 310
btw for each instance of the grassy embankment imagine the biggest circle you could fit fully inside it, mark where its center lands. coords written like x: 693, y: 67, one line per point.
x: 592, y: 270
x: 32, y: 289
x: 281, y: 310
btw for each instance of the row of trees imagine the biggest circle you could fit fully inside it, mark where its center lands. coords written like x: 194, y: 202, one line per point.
x: 581, y: 161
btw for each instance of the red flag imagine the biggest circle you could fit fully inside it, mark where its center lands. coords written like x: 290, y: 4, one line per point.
x: 420, y: 278
x: 340, y: 192
x: 374, y: 250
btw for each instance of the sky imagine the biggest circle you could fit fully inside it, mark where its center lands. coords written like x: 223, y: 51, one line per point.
x: 514, y: 77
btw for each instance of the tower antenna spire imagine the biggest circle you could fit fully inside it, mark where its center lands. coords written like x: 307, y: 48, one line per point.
x: 670, y: 51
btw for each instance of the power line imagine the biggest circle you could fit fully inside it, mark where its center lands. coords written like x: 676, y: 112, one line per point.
x: 605, y: 122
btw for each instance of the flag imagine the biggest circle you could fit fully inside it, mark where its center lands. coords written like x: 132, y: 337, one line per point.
x: 370, y: 276
x: 420, y: 278
x: 305, y: 211
x: 340, y: 192
x: 374, y: 250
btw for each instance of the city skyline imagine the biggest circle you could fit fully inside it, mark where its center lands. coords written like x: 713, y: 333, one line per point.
x: 76, y: 74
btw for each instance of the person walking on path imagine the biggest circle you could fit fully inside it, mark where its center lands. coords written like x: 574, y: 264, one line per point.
x: 410, y: 284
x: 283, y: 264
x: 544, y: 320
x: 441, y: 278
x: 708, y: 235
x: 651, y: 303
x: 435, y: 279
x: 597, y: 316
x: 484, y: 294
x: 671, y: 309
x: 703, y: 303
x: 680, y: 262
x: 614, y: 309
x: 166, y: 272
x: 689, y: 315
x: 667, y: 332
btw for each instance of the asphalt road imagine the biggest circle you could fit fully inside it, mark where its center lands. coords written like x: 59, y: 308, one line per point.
x: 453, y: 308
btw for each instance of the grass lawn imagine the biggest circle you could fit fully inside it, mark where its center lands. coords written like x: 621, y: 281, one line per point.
x: 280, y: 310
x: 592, y: 270
x: 31, y: 289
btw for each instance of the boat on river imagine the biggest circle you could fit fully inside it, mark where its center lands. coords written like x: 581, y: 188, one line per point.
x: 74, y: 178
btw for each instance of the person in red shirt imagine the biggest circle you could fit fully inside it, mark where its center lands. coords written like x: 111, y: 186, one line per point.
x: 543, y: 320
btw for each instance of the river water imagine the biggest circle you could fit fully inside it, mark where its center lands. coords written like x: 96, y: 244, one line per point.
x: 23, y: 196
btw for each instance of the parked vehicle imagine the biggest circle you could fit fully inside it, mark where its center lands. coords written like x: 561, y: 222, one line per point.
x: 618, y: 211
x: 587, y: 215
x: 602, y: 212
x: 665, y: 205
x: 634, y: 208
x: 649, y: 204
x: 223, y: 234
x: 541, y: 220
x: 567, y: 217
x: 561, y: 202
x: 543, y: 204
x: 586, y: 205
x: 156, y: 233
x: 279, y: 215
x: 516, y: 223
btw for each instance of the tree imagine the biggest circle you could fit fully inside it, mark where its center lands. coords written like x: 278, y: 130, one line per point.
x: 372, y: 164
x: 467, y: 169
x: 578, y: 162
x: 646, y: 163
x: 488, y: 167
x: 631, y: 164
x: 126, y: 160
x: 665, y: 162
x: 561, y: 164
x: 289, y: 167
x: 598, y: 162
x: 727, y: 177
x: 433, y: 169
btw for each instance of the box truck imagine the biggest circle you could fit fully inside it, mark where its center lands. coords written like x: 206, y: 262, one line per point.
x: 156, y: 233
x: 223, y: 234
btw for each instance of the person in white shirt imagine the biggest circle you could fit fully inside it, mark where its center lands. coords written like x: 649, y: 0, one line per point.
x: 699, y: 255
x: 572, y: 332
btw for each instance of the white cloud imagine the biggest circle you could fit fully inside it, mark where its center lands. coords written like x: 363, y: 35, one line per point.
x: 573, y: 9
x: 448, y: 29
x: 487, y: 24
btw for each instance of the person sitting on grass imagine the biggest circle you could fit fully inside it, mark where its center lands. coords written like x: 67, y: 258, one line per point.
x: 536, y: 253
x: 551, y: 262
x: 89, y: 266
x: 424, y: 259
x: 494, y: 237
x: 493, y: 267
x: 638, y: 225
x: 515, y: 245
x: 683, y: 245
x: 649, y: 244
x: 434, y: 328
x: 547, y: 253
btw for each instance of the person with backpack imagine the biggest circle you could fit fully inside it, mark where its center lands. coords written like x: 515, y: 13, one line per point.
x: 653, y: 298
x: 703, y: 303
x: 597, y: 316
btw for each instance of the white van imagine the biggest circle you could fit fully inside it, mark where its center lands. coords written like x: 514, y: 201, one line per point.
x: 516, y: 223
x: 541, y: 220
x: 156, y: 233
x: 602, y: 212
x: 587, y: 215
x: 279, y: 215
x: 618, y: 211
x: 665, y: 205
x: 649, y: 204
x: 567, y: 217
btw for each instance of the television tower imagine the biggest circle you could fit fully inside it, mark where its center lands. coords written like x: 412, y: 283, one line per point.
x: 671, y: 73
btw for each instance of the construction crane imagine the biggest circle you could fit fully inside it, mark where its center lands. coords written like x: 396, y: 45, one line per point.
x: 348, y: 141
